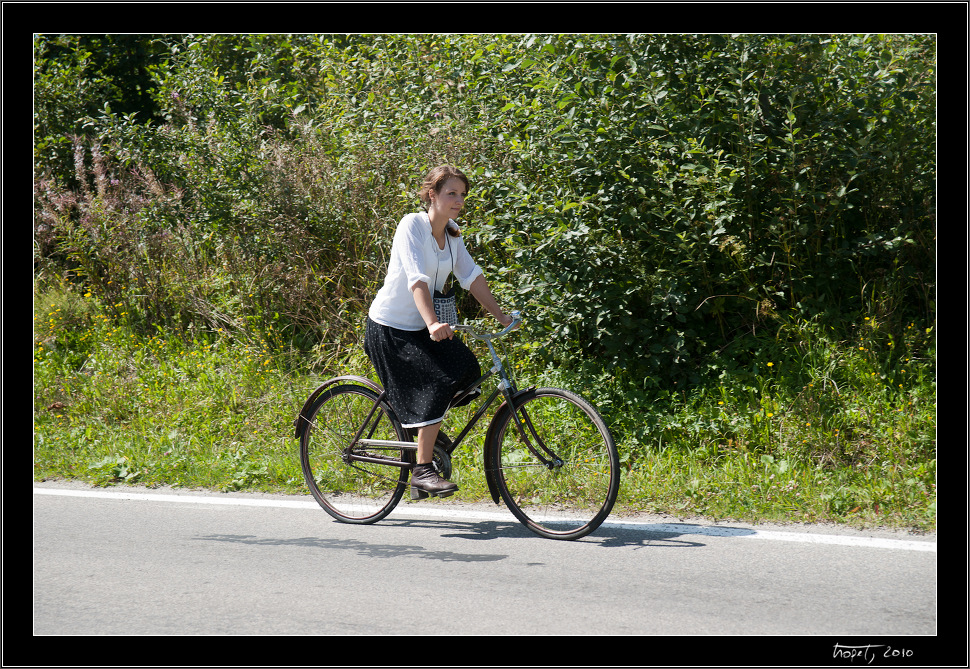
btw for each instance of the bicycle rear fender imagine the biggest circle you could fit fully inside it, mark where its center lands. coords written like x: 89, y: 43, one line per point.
x: 490, y: 442
x: 301, y: 421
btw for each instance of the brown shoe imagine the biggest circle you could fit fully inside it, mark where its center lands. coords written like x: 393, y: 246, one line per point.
x: 425, y: 481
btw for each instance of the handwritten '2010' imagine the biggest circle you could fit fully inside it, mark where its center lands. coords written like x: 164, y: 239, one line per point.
x: 868, y: 653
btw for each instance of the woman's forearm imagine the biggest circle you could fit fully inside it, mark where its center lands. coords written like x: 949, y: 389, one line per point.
x: 425, y: 305
x: 422, y: 300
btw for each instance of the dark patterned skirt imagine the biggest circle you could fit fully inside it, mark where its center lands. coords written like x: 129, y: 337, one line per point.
x: 420, y: 376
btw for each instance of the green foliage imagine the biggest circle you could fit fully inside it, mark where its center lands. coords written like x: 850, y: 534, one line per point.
x: 672, y: 211
x: 209, y: 412
x: 690, y: 192
x: 650, y: 198
x: 842, y: 432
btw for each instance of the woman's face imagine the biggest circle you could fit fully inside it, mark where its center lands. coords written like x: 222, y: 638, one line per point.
x: 450, y: 199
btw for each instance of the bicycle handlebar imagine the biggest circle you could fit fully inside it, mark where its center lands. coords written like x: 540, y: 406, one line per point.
x: 516, y: 321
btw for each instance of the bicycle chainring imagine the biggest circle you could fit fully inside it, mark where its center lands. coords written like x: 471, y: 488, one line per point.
x: 442, y: 462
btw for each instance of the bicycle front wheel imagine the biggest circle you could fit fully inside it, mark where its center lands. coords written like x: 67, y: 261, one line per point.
x: 350, y: 490
x: 562, y: 480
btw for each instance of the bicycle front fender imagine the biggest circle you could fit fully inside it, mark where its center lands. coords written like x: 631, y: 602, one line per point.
x: 302, y: 420
x: 491, y: 442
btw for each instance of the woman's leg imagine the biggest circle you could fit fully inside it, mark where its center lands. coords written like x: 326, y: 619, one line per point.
x: 426, y: 437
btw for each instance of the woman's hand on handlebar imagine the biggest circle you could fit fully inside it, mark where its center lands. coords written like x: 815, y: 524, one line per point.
x: 440, y: 331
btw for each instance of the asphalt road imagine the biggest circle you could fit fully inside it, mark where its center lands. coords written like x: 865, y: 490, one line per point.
x: 144, y: 562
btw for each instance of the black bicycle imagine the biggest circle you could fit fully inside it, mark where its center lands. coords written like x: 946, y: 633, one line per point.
x: 548, y: 453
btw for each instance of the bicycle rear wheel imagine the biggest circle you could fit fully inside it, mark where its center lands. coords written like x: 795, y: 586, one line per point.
x: 573, y: 492
x: 352, y: 491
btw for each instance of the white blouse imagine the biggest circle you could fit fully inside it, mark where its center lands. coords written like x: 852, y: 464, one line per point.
x: 415, y: 256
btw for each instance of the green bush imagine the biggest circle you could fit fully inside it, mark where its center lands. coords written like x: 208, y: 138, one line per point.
x: 673, y: 212
x: 651, y: 198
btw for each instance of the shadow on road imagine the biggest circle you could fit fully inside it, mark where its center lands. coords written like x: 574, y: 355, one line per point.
x: 646, y: 535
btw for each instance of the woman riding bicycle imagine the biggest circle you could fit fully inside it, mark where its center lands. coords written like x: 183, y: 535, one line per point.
x: 417, y: 358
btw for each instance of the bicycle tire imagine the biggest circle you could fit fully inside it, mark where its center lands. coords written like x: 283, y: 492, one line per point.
x: 352, y: 492
x: 565, y: 501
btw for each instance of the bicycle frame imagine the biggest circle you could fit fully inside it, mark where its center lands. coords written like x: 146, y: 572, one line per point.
x: 505, y: 387
x: 359, y: 439
x: 359, y: 479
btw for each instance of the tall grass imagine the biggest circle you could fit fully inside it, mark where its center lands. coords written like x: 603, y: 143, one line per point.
x: 837, y: 431
x: 816, y: 430
x: 111, y: 406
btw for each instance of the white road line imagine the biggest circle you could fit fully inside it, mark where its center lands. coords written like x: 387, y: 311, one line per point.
x: 774, y: 535
x: 185, y: 499
x: 412, y: 510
